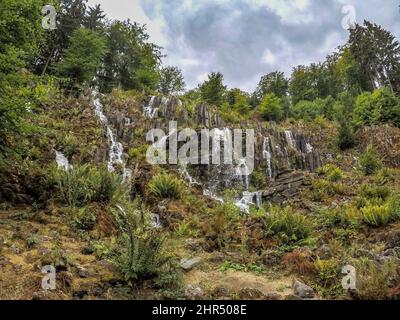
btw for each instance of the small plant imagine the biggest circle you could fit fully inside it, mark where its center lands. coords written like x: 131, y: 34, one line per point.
x: 327, y: 271
x: 331, y: 172
x: 370, y: 162
x: 374, y: 282
x: 83, y: 184
x: 375, y: 192
x: 287, y: 223
x: 345, y: 138
x: 166, y: 186
x: 32, y: 241
x: 83, y: 219
x: 299, y: 262
x: 377, y: 216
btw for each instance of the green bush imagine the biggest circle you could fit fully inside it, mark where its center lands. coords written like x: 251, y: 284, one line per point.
x: 375, y: 192
x: 370, y: 162
x: 346, y: 139
x: 380, y: 106
x: 166, y: 186
x: 83, y: 219
x: 377, y: 216
x: 331, y: 172
x: 141, y: 256
x: 85, y: 183
x: 271, y: 108
x: 293, y: 226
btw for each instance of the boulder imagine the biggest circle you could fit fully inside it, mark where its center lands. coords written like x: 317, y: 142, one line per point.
x: 188, y: 264
x: 302, y: 290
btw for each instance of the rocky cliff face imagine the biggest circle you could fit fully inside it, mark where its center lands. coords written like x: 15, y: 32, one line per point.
x: 278, y: 152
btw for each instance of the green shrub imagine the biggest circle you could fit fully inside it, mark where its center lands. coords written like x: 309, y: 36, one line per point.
x: 83, y: 219
x: 323, y: 188
x: 166, y: 186
x: 380, y: 106
x: 271, y: 108
x: 370, y: 162
x: 374, y: 282
x: 85, y: 183
x: 293, y: 226
x: 377, y: 216
x: 345, y: 138
x: 377, y: 192
x: 331, y: 172
x: 141, y: 256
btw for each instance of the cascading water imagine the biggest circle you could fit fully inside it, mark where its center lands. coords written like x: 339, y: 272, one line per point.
x: 290, y: 139
x: 116, y: 148
x: 268, y: 156
x: 243, y: 170
x: 62, y: 161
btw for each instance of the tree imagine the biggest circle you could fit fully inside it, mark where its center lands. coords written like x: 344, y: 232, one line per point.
x: 83, y: 58
x: 346, y: 138
x: 303, y: 84
x: 271, y: 108
x: 380, y: 106
x: 274, y: 82
x: 20, y: 33
x: 213, y: 89
x: 238, y: 101
x: 377, y: 54
x: 94, y: 19
x: 171, y: 81
x: 131, y: 62
x: 71, y: 15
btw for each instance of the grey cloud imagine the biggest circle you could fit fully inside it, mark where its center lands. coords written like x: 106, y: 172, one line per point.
x: 232, y: 36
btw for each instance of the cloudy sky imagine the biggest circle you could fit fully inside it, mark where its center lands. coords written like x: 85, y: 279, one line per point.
x: 245, y: 39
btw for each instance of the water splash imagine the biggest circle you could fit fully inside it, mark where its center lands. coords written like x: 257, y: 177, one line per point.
x: 62, y: 161
x: 309, y: 148
x: 186, y: 175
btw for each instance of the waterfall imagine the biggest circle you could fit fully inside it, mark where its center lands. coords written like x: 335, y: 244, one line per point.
x: 186, y: 175
x: 268, y: 156
x: 62, y: 161
x: 243, y: 170
x: 290, y: 139
x: 149, y: 111
x: 116, y: 148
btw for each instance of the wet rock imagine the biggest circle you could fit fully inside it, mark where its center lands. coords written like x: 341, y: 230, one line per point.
x: 188, y: 264
x: 302, y: 290
x: 292, y: 297
x: 193, y: 292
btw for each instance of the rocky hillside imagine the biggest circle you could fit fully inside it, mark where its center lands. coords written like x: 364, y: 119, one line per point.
x: 283, y: 232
